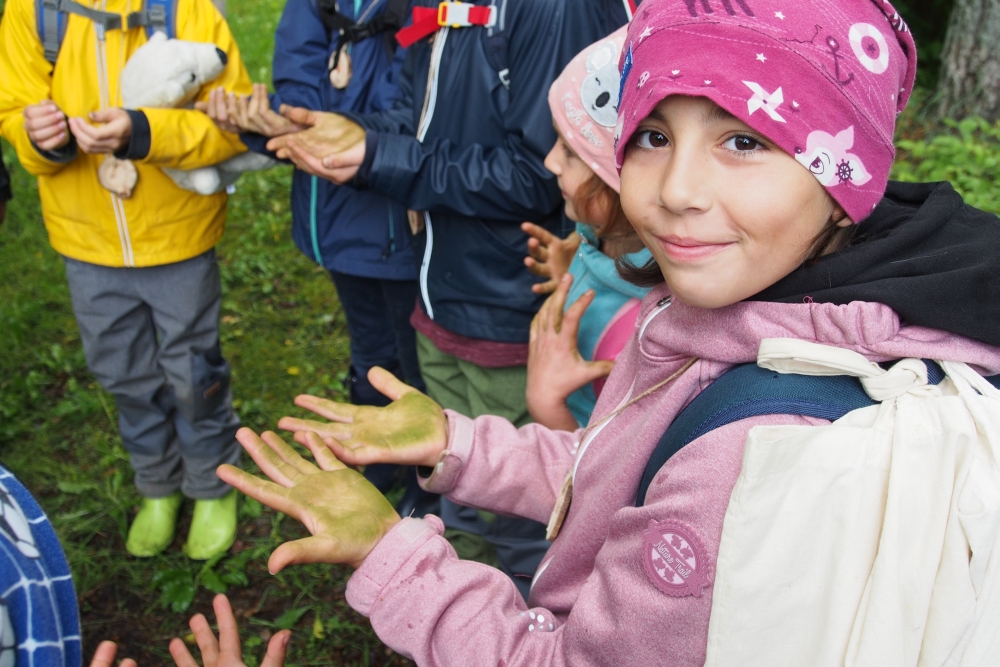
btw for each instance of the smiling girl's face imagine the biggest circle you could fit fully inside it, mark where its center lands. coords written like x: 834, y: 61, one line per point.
x: 724, y: 212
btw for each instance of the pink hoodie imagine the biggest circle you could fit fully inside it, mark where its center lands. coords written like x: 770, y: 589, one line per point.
x: 593, y: 602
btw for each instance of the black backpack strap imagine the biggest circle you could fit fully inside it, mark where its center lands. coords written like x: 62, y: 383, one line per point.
x: 747, y: 390
x: 156, y: 16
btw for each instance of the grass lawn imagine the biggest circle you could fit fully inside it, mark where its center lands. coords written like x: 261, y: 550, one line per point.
x: 283, y: 332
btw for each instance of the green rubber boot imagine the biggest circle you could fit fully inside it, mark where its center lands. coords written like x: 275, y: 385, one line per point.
x: 213, y: 527
x: 152, y: 530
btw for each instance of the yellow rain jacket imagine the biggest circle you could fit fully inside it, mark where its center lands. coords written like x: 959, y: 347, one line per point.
x: 161, y: 223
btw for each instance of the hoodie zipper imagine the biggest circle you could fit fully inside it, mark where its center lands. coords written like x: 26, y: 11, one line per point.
x: 426, y: 116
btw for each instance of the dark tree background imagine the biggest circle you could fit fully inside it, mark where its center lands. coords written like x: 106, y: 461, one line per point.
x: 969, y: 83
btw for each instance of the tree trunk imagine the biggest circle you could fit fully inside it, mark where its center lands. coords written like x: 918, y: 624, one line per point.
x: 970, y: 61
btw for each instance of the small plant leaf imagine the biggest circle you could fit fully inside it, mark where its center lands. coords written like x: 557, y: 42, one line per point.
x: 288, y: 620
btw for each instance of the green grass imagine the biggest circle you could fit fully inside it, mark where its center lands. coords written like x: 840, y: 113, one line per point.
x: 283, y: 333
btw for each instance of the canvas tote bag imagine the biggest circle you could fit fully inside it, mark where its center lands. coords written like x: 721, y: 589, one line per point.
x: 869, y: 541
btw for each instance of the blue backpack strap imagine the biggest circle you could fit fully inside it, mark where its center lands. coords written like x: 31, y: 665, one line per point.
x: 746, y: 391
x: 51, y: 18
x: 156, y: 16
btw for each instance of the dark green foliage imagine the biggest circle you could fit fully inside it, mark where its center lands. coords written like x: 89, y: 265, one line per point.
x: 928, y: 19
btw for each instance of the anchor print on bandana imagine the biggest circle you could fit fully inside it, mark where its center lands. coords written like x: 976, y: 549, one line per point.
x: 870, y: 47
x: 762, y: 99
x: 675, y: 559
x: 827, y: 157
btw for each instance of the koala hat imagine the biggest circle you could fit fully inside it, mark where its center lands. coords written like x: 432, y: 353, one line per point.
x: 584, y: 104
x: 822, y: 79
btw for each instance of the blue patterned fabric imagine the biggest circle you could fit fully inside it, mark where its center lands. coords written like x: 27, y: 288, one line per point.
x: 39, y: 623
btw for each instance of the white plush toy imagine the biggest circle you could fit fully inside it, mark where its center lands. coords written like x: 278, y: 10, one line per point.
x: 165, y: 73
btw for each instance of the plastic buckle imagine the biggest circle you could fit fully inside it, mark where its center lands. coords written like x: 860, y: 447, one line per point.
x: 454, y: 14
x: 457, y: 15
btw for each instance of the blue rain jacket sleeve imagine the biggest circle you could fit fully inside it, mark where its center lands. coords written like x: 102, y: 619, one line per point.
x: 505, y: 182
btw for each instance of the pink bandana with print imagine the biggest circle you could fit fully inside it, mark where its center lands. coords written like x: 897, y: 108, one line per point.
x: 822, y: 79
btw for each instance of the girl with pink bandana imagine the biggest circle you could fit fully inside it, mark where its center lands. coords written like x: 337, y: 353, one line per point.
x: 754, y: 142
x: 570, y: 353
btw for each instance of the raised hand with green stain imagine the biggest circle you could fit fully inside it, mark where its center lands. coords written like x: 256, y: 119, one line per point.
x: 346, y: 515
x: 412, y: 430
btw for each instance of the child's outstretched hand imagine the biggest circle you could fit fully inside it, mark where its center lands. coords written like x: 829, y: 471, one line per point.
x: 225, y: 651
x: 555, y: 367
x: 412, y: 430
x: 104, y: 656
x: 548, y: 255
x: 346, y: 515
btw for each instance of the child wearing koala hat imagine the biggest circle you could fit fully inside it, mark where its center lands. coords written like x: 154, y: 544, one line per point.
x: 139, y: 250
x: 571, y: 353
x: 754, y: 142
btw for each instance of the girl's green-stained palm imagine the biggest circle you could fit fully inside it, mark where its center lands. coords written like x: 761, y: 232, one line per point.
x: 412, y: 430
x: 346, y: 515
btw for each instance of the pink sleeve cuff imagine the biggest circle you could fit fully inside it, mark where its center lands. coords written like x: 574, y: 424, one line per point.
x: 451, y: 463
x: 385, y: 561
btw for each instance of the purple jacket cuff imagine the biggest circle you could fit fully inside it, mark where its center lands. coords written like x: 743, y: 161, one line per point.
x: 451, y: 463
x: 386, y: 560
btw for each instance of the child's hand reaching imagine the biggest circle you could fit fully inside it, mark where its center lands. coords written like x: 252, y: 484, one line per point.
x: 548, y: 256
x: 226, y: 651
x: 555, y: 367
x: 346, y: 515
x: 412, y: 430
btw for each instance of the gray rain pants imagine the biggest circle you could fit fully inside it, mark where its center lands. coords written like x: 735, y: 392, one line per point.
x: 151, y: 336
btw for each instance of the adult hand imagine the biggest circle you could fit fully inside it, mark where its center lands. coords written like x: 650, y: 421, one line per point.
x: 339, y: 168
x: 346, y: 515
x: 108, y: 138
x: 326, y: 134
x: 46, y: 125
x: 548, y: 255
x: 412, y: 430
x: 225, y: 651
x: 555, y: 367
x: 104, y: 656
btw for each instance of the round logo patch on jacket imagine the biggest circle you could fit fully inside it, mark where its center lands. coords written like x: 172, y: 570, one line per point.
x: 675, y: 559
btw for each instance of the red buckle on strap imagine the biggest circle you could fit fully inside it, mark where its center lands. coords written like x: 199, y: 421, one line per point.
x: 427, y: 20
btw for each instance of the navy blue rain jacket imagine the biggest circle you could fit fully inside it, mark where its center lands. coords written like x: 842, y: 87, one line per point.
x: 360, y: 233
x: 477, y: 170
x: 4, y: 182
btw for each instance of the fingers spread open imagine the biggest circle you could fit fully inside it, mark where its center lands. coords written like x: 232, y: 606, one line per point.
x: 260, y: 490
x: 264, y: 456
x: 331, y: 429
x: 325, y: 459
x: 543, y: 235
x: 335, y: 412
x: 287, y: 454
